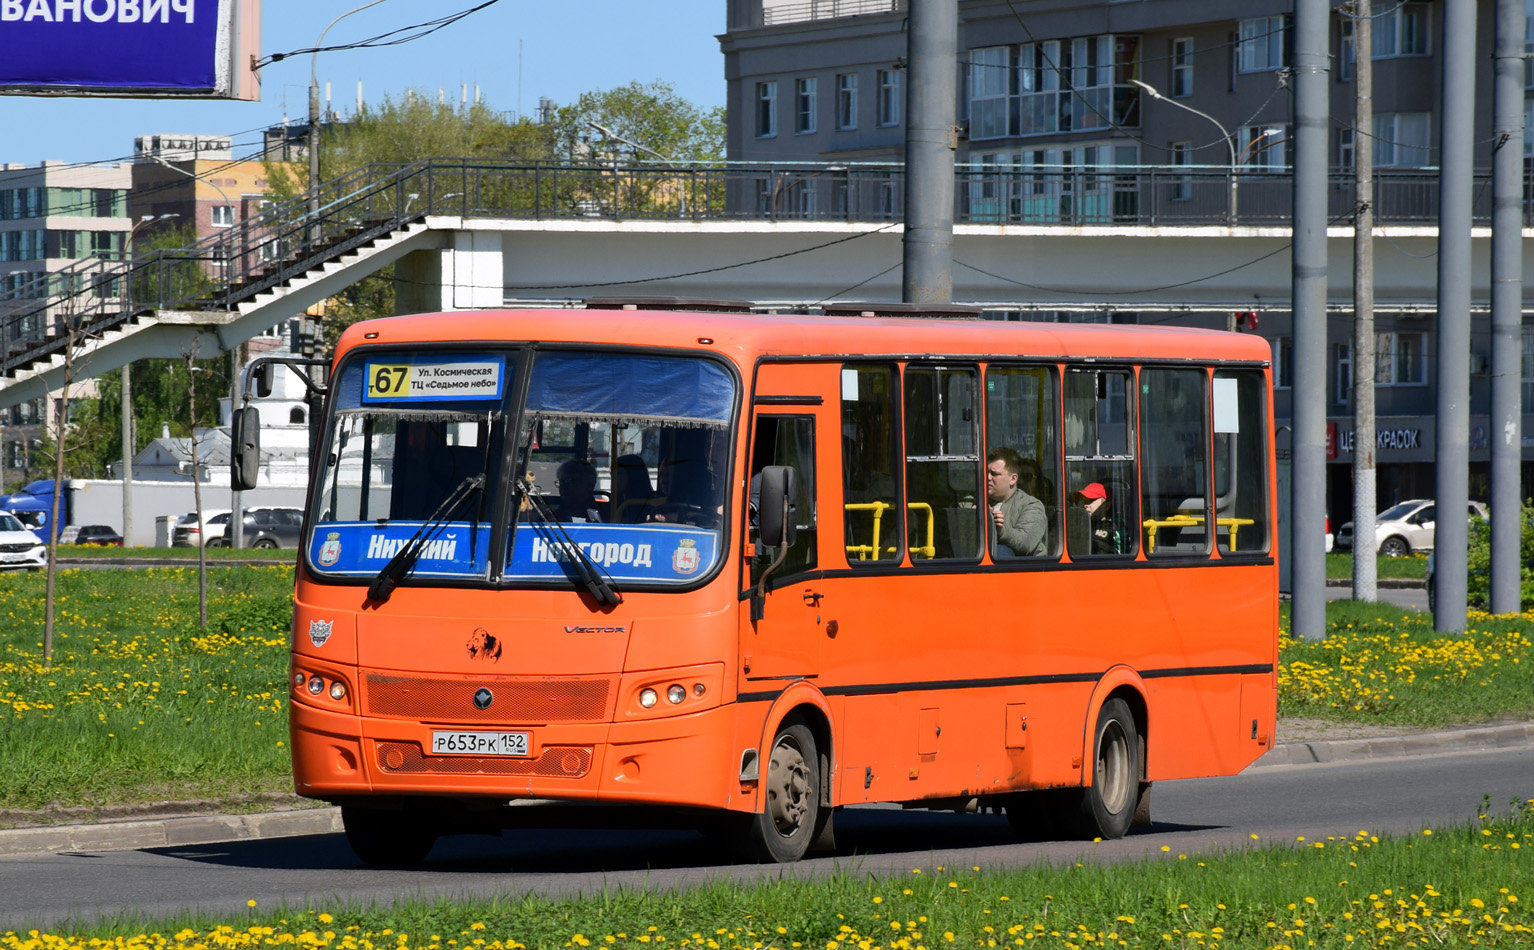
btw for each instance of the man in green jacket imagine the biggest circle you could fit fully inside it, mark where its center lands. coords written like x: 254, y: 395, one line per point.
x: 1018, y: 518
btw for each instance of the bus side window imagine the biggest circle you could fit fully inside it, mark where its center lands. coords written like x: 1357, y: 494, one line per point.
x: 1241, y: 461
x: 942, y: 463
x: 1174, y: 437
x: 1020, y: 418
x: 790, y: 441
x: 873, y: 516
x: 1101, y: 502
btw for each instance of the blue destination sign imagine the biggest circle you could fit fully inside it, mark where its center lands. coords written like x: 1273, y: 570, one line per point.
x: 106, y: 44
x: 362, y: 548
x: 406, y: 379
x: 648, y: 553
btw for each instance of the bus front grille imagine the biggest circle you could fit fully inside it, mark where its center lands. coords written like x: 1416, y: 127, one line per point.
x: 513, y: 700
x: 553, y: 762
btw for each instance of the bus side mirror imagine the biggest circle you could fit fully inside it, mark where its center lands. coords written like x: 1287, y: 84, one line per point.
x: 245, y: 436
x: 265, y: 377
x: 777, y: 511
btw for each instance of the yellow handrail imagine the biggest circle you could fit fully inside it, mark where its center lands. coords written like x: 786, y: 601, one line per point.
x: 930, y: 548
x: 1152, y: 525
x: 864, y: 550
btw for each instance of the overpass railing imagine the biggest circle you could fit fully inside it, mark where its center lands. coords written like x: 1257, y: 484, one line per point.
x: 287, y: 239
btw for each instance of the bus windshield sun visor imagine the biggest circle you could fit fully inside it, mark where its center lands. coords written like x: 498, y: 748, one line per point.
x: 400, y: 564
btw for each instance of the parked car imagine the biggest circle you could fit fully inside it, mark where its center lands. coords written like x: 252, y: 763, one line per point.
x: 264, y: 528
x: 19, y: 547
x: 187, y: 533
x: 97, y: 534
x: 1331, y: 540
x: 1404, y: 528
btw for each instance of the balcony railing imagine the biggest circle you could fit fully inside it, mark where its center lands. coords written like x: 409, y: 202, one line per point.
x: 285, y: 240
x: 826, y: 10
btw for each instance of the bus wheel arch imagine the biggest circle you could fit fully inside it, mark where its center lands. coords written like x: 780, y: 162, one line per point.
x: 1114, y: 758
x: 794, y: 810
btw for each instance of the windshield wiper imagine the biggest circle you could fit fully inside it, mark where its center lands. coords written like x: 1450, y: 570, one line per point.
x: 404, y: 559
x: 602, y: 589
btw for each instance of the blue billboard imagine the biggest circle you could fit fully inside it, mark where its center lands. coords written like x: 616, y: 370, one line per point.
x: 189, y: 48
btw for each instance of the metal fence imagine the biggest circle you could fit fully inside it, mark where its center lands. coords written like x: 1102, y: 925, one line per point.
x: 286, y: 240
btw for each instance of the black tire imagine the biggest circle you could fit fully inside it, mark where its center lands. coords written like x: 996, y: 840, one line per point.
x: 266, y: 544
x: 1395, y: 546
x: 388, y: 838
x: 218, y: 543
x: 792, y: 817
x: 1109, y: 804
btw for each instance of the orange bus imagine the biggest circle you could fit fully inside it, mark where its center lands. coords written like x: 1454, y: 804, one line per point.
x: 756, y: 568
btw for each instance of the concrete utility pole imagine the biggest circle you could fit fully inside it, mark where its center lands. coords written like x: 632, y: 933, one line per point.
x: 932, y: 37
x: 1455, y: 194
x: 1308, y: 508
x: 1506, y: 308
x: 1365, y: 502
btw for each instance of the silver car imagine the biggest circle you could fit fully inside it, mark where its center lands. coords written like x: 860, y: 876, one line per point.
x: 1404, y: 528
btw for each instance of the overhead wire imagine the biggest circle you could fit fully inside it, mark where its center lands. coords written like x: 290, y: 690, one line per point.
x: 423, y: 29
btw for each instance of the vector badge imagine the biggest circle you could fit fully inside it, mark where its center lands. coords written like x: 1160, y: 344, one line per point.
x: 319, y: 631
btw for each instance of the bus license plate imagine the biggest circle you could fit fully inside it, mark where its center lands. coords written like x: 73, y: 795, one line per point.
x: 478, y: 743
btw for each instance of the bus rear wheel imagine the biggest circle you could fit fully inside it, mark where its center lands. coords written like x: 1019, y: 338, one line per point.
x: 1108, y: 806
x: 388, y: 838
x: 792, y: 817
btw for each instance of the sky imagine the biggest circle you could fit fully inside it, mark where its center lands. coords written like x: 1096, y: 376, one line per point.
x: 515, y: 51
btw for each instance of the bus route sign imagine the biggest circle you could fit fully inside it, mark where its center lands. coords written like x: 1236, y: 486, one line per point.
x: 396, y: 380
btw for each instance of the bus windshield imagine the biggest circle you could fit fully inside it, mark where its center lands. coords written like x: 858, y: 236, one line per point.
x: 624, y: 457
x: 619, y: 466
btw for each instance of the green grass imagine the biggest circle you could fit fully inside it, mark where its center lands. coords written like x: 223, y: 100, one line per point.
x: 187, y: 554
x: 1412, y: 566
x: 1447, y: 887
x: 1387, y: 665
x: 138, y: 705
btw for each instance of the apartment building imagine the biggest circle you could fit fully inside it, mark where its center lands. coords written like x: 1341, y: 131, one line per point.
x: 182, y: 180
x: 1138, y: 112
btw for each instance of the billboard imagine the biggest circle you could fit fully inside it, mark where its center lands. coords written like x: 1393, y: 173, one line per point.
x: 133, y: 48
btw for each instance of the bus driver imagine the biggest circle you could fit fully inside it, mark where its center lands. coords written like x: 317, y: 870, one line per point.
x: 1019, y: 519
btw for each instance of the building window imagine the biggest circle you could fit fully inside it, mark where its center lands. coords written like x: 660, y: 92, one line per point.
x: 1400, y: 359
x: 20, y: 203
x: 1344, y: 375
x: 1053, y: 86
x: 1347, y: 53
x: 106, y: 245
x: 1182, y: 67
x: 889, y: 97
x: 1401, y: 139
x: 804, y: 106
x: 1527, y: 371
x: 1345, y: 149
x: 24, y: 245
x: 1283, y: 363
x: 847, y: 101
x: 1264, y: 44
x: 223, y: 216
x: 1182, y: 156
x: 1401, y: 31
x: 766, y: 109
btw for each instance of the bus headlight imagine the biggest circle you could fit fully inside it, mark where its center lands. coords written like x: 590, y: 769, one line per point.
x: 316, y: 685
x: 647, y: 698
x: 338, y: 690
x: 675, y: 694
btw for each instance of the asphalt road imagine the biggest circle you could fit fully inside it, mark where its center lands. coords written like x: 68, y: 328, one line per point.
x: 1276, y: 803
x: 1413, y: 597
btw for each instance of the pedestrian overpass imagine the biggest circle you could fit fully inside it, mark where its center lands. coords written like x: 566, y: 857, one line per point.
x: 461, y: 234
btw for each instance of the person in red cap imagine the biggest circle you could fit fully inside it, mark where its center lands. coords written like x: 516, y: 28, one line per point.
x: 1106, y: 539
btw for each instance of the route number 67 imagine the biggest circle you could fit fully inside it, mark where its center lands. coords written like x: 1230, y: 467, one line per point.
x: 386, y: 380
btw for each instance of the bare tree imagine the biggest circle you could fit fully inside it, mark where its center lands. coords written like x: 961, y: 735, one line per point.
x: 72, y: 333
x: 189, y: 356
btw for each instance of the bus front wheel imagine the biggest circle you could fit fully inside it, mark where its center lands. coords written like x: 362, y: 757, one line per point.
x: 1108, y: 806
x: 388, y: 838
x: 792, y: 817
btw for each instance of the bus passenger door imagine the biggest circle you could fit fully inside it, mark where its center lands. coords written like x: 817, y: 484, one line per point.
x: 785, y: 643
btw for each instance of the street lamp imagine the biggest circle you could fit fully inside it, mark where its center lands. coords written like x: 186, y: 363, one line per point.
x: 1229, y: 142
x: 228, y: 205
x: 127, y: 384
x: 314, y: 119
x: 614, y: 136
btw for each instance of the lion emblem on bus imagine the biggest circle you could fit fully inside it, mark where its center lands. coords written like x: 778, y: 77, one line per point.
x: 686, y: 558
x: 319, y: 631
x: 483, y: 645
x: 330, y: 551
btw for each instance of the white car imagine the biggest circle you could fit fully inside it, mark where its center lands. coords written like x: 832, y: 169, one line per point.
x: 19, y: 547
x: 187, y: 533
x: 1404, y: 528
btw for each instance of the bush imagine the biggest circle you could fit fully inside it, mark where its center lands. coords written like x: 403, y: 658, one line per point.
x: 1478, y: 560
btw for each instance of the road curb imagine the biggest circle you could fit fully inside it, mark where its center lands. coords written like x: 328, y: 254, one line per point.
x: 1514, y: 736
x: 1382, y: 583
x: 172, y: 832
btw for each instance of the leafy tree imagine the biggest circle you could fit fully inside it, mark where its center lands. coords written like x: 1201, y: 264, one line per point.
x: 1478, y: 559
x: 649, y: 114
x: 161, y: 394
